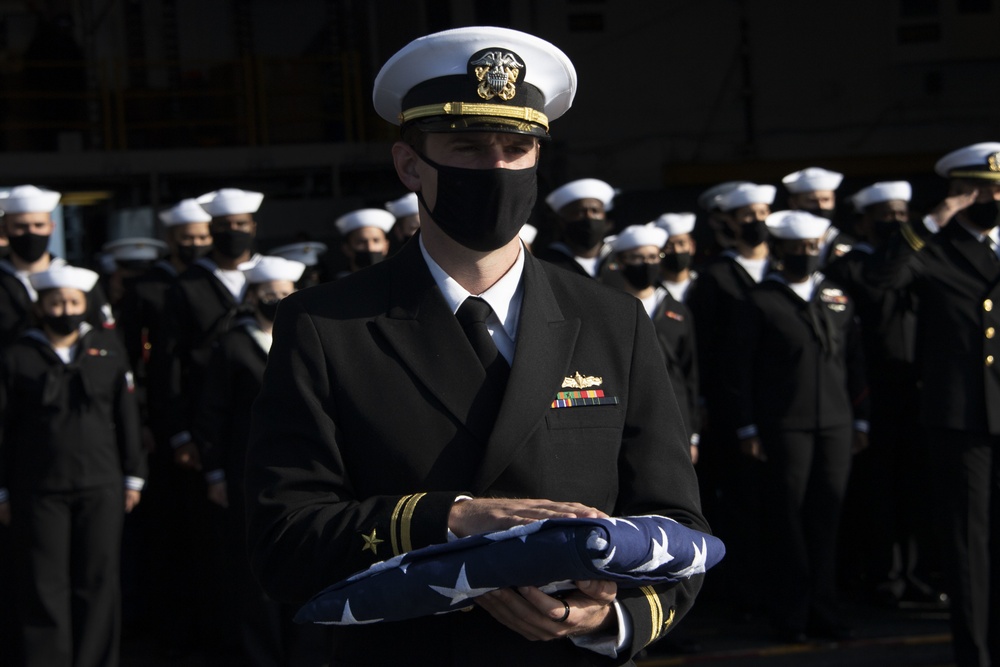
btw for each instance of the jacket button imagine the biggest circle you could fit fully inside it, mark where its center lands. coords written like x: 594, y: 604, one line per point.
x: 988, y: 305
x: 989, y: 359
x: 990, y: 332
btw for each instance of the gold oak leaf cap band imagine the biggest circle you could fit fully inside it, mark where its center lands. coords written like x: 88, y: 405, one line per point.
x: 476, y: 79
x: 977, y: 162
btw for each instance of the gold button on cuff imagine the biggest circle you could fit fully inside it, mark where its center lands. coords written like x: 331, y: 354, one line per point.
x: 990, y: 332
x: 989, y: 360
x: 988, y: 305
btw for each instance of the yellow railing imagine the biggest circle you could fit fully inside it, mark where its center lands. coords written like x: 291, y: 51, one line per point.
x: 252, y: 101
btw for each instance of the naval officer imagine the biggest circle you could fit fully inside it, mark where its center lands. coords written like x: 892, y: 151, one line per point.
x: 414, y: 399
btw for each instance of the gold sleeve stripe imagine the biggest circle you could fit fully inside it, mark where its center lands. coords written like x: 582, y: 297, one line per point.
x: 656, y: 612
x: 399, y: 528
x: 411, y: 505
x: 476, y: 109
x: 911, y: 237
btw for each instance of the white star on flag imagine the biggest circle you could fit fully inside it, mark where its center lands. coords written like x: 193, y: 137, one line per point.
x: 462, y: 590
x: 660, y: 555
x: 697, y: 565
x: 348, y: 618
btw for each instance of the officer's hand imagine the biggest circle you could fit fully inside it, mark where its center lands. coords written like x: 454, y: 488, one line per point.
x: 131, y: 499
x: 482, y: 515
x: 753, y: 448
x: 859, y: 442
x: 5, y: 513
x: 946, y: 210
x: 187, y: 456
x: 218, y: 493
x: 534, y: 615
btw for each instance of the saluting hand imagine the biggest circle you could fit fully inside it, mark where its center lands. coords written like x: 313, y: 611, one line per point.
x: 483, y: 515
x: 946, y: 210
x: 540, y: 617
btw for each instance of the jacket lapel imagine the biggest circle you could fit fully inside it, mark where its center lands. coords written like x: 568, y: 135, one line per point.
x: 545, y: 343
x: 425, y: 334
x: 974, y: 252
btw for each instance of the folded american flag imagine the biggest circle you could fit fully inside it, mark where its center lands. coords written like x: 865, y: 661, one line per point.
x: 551, y: 554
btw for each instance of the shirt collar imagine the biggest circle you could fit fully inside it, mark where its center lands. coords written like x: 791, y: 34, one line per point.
x: 993, y: 234
x: 504, y: 296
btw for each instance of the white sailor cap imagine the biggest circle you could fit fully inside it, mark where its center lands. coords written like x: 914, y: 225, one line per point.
x: 812, y: 179
x: 307, y: 252
x: 476, y: 79
x: 404, y: 206
x: 709, y: 199
x: 746, y: 194
x: 881, y: 192
x: 584, y: 188
x: 184, y: 212
x: 268, y: 267
x: 637, y: 236
x: 230, y: 201
x: 29, y: 199
x: 978, y: 161
x: 64, y: 276
x: 676, y: 223
x: 796, y: 225
x: 528, y: 233
x: 365, y: 217
x: 135, y: 249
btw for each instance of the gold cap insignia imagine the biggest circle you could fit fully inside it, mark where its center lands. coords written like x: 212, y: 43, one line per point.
x: 581, y: 381
x: 993, y: 162
x: 497, y: 72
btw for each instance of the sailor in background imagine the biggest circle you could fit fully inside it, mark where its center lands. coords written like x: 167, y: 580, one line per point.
x: 814, y: 189
x: 678, y: 253
x: 71, y: 466
x: 799, y: 391
x: 407, y: 214
x: 955, y: 277
x: 309, y: 253
x: 27, y: 220
x: 364, y: 235
x: 581, y: 220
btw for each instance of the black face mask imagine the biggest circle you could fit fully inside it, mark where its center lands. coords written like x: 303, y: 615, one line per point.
x: 981, y: 216
x: 882, y: 230
x: 268, y: 309
x: 586, y: 233
x: 641, y: 276
x: 365, y: 258
x: 63, y: 325
x: 676, y: 262
x: 800, y: 266
x: 482, y: 209
x: 753, y: 233
x: 825, y: 213
x: 232, y: 243
x: 29, y: 247
x: 190, y: 253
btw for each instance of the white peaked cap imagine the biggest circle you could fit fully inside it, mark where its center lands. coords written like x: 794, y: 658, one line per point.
x: 811, y: 179
x: 435, y: 77
x: 881, y: 192
x: 135, y: 249
x: 744, y: 195
x: 796, y: 225
x: 676, y: 223
x: 267, y: 268
x: 184, y: 213
x: 528, y: 233
x: 29, y: 199
x: 637, y: 236
x: 585, y: 188
x: 404, y: 206
x: 64, y: 276
x: 307, y: 252
x: 230, y: 201
x: 365, y: 217
x: 980, y: 161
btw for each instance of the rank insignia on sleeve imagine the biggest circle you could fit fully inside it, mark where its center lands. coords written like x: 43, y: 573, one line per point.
x: 835, y: 299
x: 674, y: 316
x: 371, y: 542
x: 579, y: 381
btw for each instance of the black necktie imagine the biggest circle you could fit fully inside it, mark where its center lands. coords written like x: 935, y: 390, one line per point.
x: 988, y: 244
x: 472, y: 316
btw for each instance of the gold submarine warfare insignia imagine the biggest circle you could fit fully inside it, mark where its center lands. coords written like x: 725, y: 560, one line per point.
x: 581, y: 381
x: 497, y: 72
